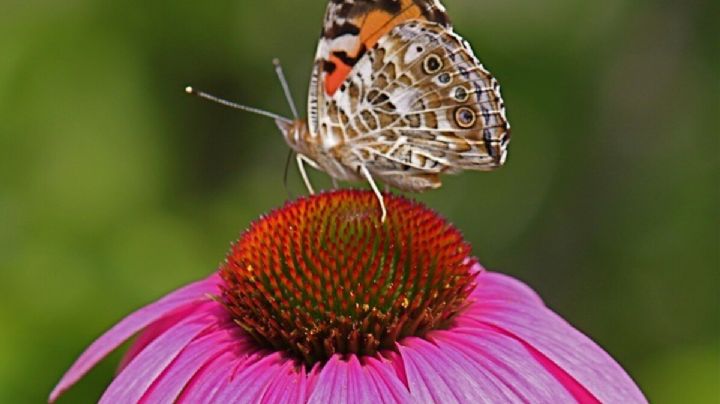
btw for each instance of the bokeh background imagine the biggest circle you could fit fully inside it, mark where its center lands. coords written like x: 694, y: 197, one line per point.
x: 116, y: 187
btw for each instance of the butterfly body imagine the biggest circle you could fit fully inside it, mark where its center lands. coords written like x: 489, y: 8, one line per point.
x: 330, y: 158
x: 395, y: 95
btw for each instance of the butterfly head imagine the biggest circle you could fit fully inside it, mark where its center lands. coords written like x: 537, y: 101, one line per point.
x: 295, y: 133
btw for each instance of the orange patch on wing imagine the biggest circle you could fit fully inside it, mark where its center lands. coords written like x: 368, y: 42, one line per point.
x: 378, y: 23
x: 336, y: 78
x: 374, y: 25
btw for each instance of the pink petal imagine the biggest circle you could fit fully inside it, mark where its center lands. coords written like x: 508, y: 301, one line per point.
x: 578, y: 391
x: 138, y: 376
x: 543, y: 332
x: 213, y: 378
x: 331, y: 384
x: 350, y: 381
x: 251, y: 380
x: 506, y: 363
x: 289, y: 385
x: 192, y: 359
x: 154, y: 330
x: 435, y: 377
x: 398, y: 366
x: 361, y: 388
x: 381, y: 372
x: 312, y: 377
x: 495, y: 287
x: 129, y: 326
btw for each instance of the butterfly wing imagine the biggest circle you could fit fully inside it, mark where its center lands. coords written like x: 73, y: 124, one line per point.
x: 415, y: 104
x: 350, y: 29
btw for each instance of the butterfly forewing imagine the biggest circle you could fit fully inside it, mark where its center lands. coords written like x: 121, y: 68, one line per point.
x: 350, y: 28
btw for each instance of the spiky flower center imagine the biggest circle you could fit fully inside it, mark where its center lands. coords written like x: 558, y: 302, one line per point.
x: 323, y: 275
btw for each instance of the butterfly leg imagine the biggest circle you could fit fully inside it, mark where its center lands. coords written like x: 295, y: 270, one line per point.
x: 301, y: 160
x: 375, y: 189
x: 335, y: 183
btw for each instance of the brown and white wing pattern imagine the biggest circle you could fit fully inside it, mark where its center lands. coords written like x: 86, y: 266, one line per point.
x: 415, y: 105
x: 350, y: 29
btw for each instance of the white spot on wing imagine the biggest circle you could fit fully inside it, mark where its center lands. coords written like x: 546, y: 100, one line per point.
x: 404, y: 99
x: 413, y: 52
x: 345, y: 43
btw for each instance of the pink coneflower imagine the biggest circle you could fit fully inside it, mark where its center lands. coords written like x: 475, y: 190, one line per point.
x: 321, y: 302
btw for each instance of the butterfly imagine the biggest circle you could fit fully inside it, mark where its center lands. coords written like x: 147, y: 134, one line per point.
x: 395, y: 96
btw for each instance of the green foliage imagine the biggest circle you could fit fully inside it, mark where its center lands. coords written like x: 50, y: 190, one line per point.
x: 116, y: 187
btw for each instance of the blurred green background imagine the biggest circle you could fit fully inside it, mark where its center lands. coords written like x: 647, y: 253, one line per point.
x: 116, y: 187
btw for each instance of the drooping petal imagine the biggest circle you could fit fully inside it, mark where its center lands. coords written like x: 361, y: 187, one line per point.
x: 131, y: 325
x: 504, y: 362
x: 191, y: 360
x: 578, y: 391
x: 361, y: 388
x: 331, y: 383
x: 289, y: 385
x: 210, y: 380
x: 132, y: 383
x: 381, y: 372
x: 374, y: 380
x: 252, y: 379
x: 497, y: 287
x: 435, y: 377
x: 351, y: 381
x: 154, y: 330
x: 502, y: 303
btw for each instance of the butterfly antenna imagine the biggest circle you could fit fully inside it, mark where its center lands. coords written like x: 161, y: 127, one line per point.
x: 293, y: 108
x: 234, y: 105
x: 285, y: 87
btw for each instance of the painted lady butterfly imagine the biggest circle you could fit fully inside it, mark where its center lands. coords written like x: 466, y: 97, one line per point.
x: 395, y: 96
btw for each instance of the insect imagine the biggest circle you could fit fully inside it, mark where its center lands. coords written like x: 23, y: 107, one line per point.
x: 395, y: 96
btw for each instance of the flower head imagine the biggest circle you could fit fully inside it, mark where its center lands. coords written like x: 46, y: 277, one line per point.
x: 320, y: 301
x: 323, y: 276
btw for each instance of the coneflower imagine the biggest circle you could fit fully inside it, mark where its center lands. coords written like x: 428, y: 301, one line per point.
x: 320, y: 301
